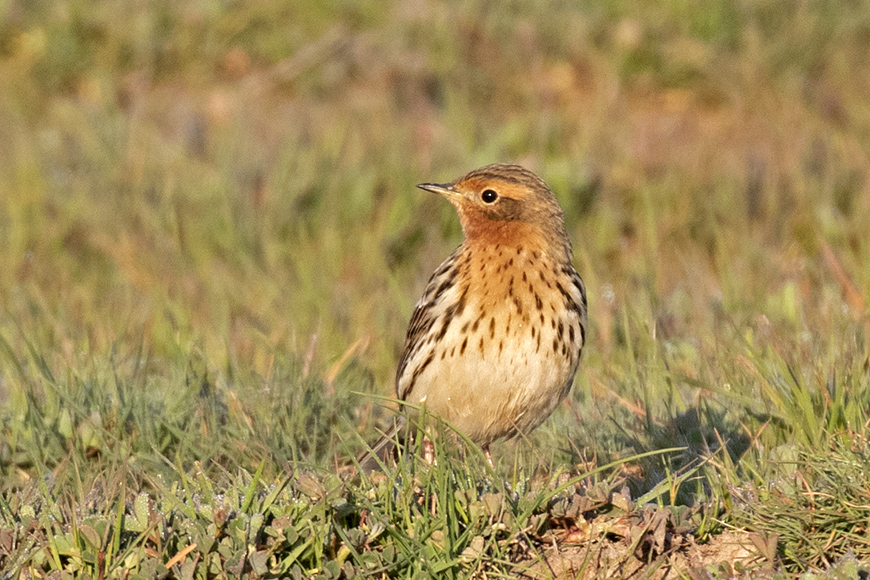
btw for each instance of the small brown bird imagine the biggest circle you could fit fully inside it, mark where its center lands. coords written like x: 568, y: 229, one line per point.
x: 495, y: 341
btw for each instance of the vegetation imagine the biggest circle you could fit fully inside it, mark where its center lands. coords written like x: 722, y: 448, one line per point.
x: 210, y: 245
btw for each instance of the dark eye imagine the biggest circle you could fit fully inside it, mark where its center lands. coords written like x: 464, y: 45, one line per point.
x: 489, y: 196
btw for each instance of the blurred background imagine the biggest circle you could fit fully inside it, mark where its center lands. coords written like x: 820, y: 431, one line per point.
x: 208, y: 220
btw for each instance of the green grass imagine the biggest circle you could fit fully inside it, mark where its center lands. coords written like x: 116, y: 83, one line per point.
x: 210, y: 245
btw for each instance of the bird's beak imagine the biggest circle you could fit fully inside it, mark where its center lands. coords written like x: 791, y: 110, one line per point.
x: 445, y: 189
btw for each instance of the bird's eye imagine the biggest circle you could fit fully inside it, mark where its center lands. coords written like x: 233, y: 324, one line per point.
x: 489, y: 196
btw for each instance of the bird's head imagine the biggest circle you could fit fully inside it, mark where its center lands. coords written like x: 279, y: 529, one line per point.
x: 500, y: 202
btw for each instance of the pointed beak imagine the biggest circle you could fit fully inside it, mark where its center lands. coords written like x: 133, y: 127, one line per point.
x: 445, y: 189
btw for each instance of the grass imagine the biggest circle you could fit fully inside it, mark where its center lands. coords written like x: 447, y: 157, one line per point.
x: 210, y: 246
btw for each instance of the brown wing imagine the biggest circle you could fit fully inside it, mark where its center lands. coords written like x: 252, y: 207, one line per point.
x: 425, y: 315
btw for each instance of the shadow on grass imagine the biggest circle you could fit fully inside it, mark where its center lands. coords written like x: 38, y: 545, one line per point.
x: 703, y: 434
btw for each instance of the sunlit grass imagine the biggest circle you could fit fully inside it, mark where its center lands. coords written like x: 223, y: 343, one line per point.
x: 210, y: 245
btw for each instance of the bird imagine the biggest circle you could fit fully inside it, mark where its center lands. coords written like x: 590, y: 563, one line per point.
x: 494, y: 342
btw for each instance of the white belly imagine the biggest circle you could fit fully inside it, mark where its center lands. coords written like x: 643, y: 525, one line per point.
x: 497, y: 387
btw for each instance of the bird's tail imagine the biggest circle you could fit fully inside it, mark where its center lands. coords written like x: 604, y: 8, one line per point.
x: 385, y: 449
